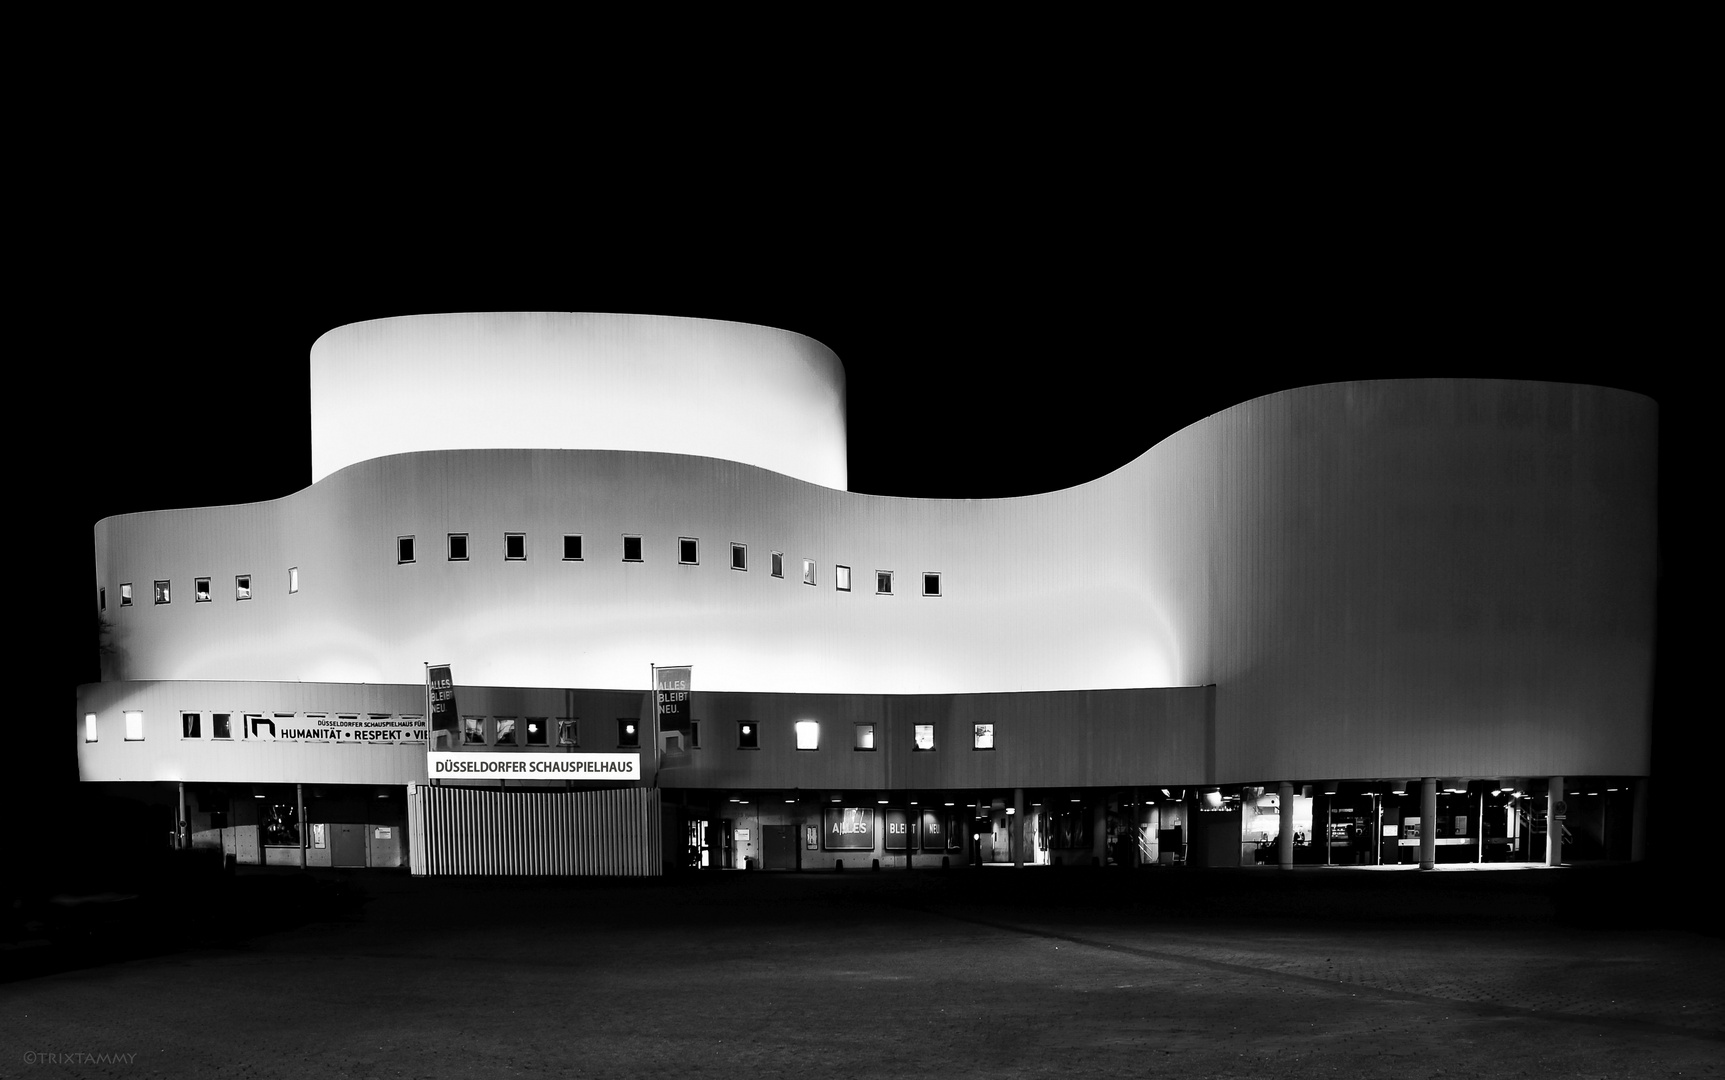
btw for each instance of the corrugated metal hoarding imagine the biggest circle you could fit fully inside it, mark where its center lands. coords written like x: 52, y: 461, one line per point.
x: 609, y: 833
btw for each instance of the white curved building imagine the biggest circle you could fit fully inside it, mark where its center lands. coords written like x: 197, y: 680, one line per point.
x: 1238, y: 647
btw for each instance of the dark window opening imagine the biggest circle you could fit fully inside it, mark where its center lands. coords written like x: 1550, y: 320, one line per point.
x: 628, y: 734
x: 457, y: 547
x: 404, y: 549
x: 748, y: 735
x: 688, y: 550
x: 515, y: 546
x: 631, y: 549
x: 571, y: 546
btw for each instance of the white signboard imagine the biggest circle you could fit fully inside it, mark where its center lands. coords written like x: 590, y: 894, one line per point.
x: 347, y: 729
x: 447, y: 765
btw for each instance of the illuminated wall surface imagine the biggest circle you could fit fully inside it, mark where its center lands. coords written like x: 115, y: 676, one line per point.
x: 1385, y: 578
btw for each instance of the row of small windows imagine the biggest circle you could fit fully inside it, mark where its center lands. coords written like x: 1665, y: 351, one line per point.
x: 503, y: 731
x: 688, y: 554
x: 373, y: 728
x: 508, y: 731
x: 201, y: 594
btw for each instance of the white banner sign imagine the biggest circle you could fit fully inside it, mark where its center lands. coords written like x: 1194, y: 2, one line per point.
x: 446, y: 765
x: 348, y: 729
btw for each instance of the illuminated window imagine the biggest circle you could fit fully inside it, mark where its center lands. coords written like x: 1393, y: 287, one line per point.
x: 628, y: 733
x: 982, y: 737
x: 778, y: 566
x: 883, y: 582
x: 242, y: 586
x: 473, y: 729
x: 865, y: 737
x: 572, y: 547
x: 688, y: 550
x: 164, y: 594
x: 505, y: 731
x: 739, y: 556
x: 536, y: 729
x: 404, y: 549
x: 293, y: 579
x: 842, y: 578
x: 89, y: 727
x: 808, y: 571
x: 126, y: 594
x: 515, y: 546
x: 748, y: 735
x: 191, y: 725
x: 457, y: 547
x: 134, y: 727
x: 201, y: 590
x: 221, y: 725
x: 631, y: 549
x: 808, y: 735
x: 925, y: 736
x: 931, y: 584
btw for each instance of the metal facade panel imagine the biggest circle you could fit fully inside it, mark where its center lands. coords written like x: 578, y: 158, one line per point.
x: 478, y: 831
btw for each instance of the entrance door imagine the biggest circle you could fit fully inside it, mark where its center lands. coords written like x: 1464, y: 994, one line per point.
x: 779, y: 847
x: 347, y: 845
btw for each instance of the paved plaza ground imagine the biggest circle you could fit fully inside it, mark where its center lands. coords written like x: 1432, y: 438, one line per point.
x: 978, y: 973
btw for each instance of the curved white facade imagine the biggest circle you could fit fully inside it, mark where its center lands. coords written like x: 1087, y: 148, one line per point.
x: 1421, y: 578
x: 578, y: 380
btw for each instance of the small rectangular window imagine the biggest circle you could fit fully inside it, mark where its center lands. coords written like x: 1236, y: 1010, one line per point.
x: 242, y: 586
x: 883, y: 582
x: 102, y: 599
x: 191, y: 725
x: 457, y: 547
x: 536, y: 727
x: 748, y: 735
x: 688, y: 550
x: 982, y: 737
x: 201, y: 590
x: 134, y: 727
x: 808, y: 734
x: 808, y: 571
x: 572, y: 547
x: 404, y: 549
x: 293, y: 579
x: 568, y: 733
x: 221, y: 725
x: 505, y: 731
x: 842, y: 578
x: 778, y: 564
x: 931, y: 584
x: 628, y: 733
x: 89, y: 727
x: 865, y: 737
x: 515, y: 546
x: 164, y: 593
x: 473, y: 730
x: 631, y: 549
x: 694, y: 734
x: 739, y: 556
x: 924, y: 736
x: 126, y: 594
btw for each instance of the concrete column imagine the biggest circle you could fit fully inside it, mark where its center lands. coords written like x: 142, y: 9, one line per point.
x: 1638, y: 822
x: 1018, y: 827
x: 1428, y: 823
x: 299, y: 804
x: 1553, y: 822
x: 1099, y: 831
x: 1285, y: 838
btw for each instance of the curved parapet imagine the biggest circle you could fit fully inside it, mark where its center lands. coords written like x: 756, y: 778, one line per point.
x: 1420, y: 578
x: 578, y: 381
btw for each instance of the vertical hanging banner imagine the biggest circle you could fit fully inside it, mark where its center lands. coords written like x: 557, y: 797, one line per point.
x: 671, y: 695
x: 440, y: 708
